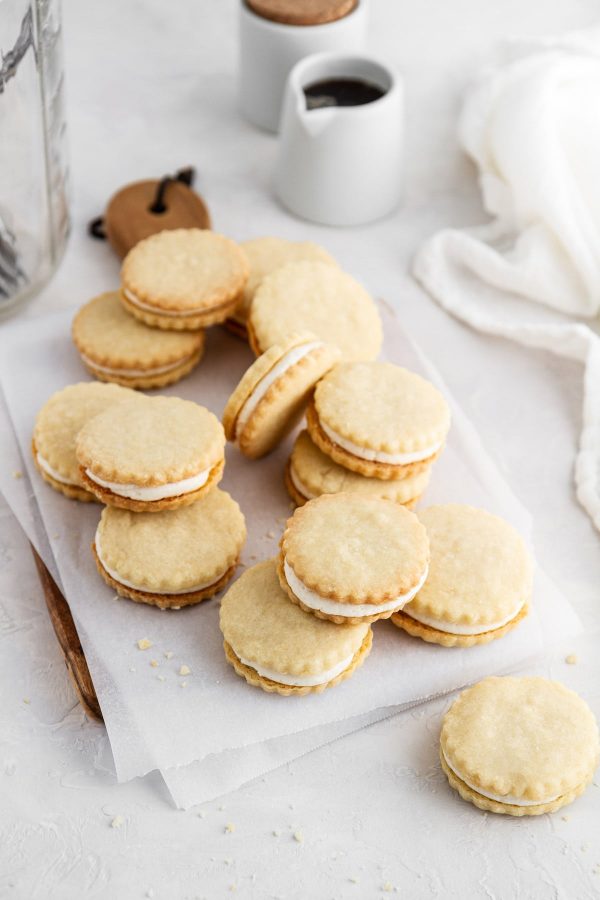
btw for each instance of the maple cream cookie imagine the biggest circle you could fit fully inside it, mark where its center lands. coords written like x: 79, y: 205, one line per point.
x: 349, y: 558
x: 317, y: 297
x: 479, y: 583
x: 56, y: 428
x: 310, y: 473
x: 174, y: 558
x: 378, y: 419
x: 275, y: 646
x: 151, y: 453
x: 116, y: 347
x: 183, y: 279
x: 264, y: 255
x: 519, y: 746
x: 272, y: 395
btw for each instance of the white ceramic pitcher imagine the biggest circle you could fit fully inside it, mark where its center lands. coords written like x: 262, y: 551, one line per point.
x: 341, y: 165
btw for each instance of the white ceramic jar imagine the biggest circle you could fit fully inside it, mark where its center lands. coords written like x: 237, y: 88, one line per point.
x: 269, y: 50
x: 341, y: 165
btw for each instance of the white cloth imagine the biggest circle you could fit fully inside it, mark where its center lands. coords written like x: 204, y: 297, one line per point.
x: 532, y: 127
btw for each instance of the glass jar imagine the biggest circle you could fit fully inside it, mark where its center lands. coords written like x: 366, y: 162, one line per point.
x: 34, y: 210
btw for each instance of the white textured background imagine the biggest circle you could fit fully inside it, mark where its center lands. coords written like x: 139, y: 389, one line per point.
x: 151, y: 87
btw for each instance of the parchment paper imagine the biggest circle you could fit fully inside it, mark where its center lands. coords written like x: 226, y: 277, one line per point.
x: 216, y: 717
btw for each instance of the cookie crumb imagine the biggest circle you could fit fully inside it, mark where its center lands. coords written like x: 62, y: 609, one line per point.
x: 161, y: 677
x: 168, y: 654
x: 221, y: 808
x: 353, y: 879
x: 270, y: 535
x: 388, y: 887
x: 144, y: 644
x: 150, y: 893
x: 117, y: 822
x: 298, y: 837
x: 26, y: 700
x: 185, y: 670
x: 154, y: 663
x: 571, y: 659
x: 229, y: 828
x: 17, y: 474
x: 565, y: 818
x: 201, y: 814
x: 183, y: 684
x: 132, y: 669
x: 276, y: 832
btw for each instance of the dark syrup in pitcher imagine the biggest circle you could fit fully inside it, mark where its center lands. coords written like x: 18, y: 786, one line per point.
x: 341, y: 92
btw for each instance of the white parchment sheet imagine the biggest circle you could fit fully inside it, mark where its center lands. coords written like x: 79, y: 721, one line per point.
x: 219, y: 731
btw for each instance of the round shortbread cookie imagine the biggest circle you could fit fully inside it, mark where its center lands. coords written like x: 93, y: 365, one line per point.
x: 264, y: 255
x: 480, y: 579
x: 378, y: 419
x: 173, y: 558
x: 151, y: 453
x: 116, y: 347
x: 520, y: 746
x: 310, y: 473
x: 183, y: 279
x: 272, y: 395
x: 317, y: 297
x: 350, y: 558
x: 56, y: 428
x: 274, y: 645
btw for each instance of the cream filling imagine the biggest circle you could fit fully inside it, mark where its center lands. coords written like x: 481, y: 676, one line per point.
x: 506, y: 798
x: 333, y: 607
x: 288, y: 360
x: 140, y: 587
x: 167, y: 312
x: 156, y: 492
x: 134, y: 373
x: 452, y: 628
x: 52, y: 472
x: 299, y: 680
x: 393, y: 459
x: 301, y: 488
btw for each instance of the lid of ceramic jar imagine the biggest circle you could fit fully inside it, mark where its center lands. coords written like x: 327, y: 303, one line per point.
x: 302, y: 12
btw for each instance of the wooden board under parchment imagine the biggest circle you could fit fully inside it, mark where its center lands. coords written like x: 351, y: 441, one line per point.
x: 66, y: 632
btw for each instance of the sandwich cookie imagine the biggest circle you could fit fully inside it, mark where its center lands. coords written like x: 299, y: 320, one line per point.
x: 480, y: 579
x: 349, y: 558
x: 519, y: 746
x: 378, y: 419
x: 151, y: 453
x: 56, y: 428
x: 275, y: 646
x: 310, y: 473
x: 317, y: 297
x: 272, y: 395
x: 183, y: 280
x: 264, y: 255
x: 116, y: 347
x: 174, y: 558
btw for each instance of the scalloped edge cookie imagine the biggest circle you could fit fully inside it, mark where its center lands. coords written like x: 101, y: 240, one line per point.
x: 288, y: 690
x: 186, y: 304
x: 272, y: 394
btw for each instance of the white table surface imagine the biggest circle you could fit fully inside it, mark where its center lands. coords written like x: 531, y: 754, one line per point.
x: 151, y: 87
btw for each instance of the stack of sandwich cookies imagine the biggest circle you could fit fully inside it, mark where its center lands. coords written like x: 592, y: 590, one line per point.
x: 149, y: 454
x: 275, y: 646
x: 264, y: 255
x: 273, y: 393
x: 519, y: 746
x: 350, y: 558
x: 174, y: 558
x: 116, y: 347
x: 310, y: 473
x: 184, y: 279
x: 56, y: 429
x: 480, y: 579
x: 320, y: 298
x: 378, y: 419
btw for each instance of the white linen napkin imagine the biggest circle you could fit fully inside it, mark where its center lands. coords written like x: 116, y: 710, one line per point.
x: 531, y: 124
